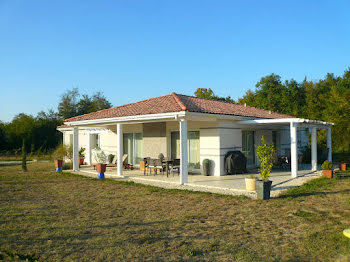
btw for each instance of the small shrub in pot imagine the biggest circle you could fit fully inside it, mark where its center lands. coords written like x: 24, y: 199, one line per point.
x: 110, y: 158
x: 266, y: 155
x: 81, y: 155
x: 342, y: 163
x: 206, y: 167
x: 58, y: 155
x: 100, y: 158
x: 327, y: 169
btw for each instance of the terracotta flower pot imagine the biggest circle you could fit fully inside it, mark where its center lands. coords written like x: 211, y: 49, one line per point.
x: 342, y: 166
x: 327, y: 173
x: 58, y: 165
x: 81, y: 161
x: 101, y: 168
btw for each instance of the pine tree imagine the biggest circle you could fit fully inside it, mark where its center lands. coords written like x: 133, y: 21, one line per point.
x: 24, y: 156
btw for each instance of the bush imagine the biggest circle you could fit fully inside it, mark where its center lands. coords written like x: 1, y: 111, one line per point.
x: 343, y: 159
x: 266, y: 155
x: 99, y: 156
x: 206, y: 161
x: 67, y: 166
x: 327, y: 165
x: 81, y: 152
x: 63, y: 151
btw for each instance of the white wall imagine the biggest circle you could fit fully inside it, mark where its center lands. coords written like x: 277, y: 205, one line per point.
x: 216, y: 139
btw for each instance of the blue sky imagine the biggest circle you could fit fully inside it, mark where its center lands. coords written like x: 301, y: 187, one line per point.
x: 132, y: 50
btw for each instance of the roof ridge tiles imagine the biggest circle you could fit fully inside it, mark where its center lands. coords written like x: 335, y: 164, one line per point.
x: 179, y: 101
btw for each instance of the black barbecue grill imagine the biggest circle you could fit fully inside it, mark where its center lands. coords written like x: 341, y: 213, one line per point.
x: 235, y: 163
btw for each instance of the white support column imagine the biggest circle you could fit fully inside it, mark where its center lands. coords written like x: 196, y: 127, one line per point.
x: 88, y: 153
x: 119, y: 149
x: 329, y: 143
x: 75, y: 149
x: 294, y: 149
x: 314, y: 148
x: 183, y: 152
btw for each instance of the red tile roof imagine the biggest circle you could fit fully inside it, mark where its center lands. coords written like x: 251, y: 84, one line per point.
x: 176, y: 103
x: 63, y: 126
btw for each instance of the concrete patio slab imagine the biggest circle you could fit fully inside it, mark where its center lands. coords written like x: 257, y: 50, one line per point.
x: 228, y: 185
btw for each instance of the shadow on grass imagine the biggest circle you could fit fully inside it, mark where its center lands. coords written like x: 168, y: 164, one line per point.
x: 318, y: 187
x: 155, y: 189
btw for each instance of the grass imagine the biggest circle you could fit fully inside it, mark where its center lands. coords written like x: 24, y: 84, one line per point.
x: 29, y: 157
x: 49, y: 216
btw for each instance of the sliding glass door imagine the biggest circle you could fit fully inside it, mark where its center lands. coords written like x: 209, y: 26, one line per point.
x: 248, y: 146
x: 192, y: 146
x: 132, y: 146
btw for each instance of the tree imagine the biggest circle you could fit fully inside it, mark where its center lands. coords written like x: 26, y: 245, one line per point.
x: 99, y: 102
x: 209, y: 94
x: 4, y: 140
x: 271, y: 94
x: 338, y: 111
x: 20, y: 128
x: 67, y: 107
x: 73, y: 104
x: 85, y: 105
x: 24, y: 156
x: 327, y: 100
x: 45, y: 134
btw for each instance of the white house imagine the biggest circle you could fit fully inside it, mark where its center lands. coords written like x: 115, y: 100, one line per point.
x: 192, y: 129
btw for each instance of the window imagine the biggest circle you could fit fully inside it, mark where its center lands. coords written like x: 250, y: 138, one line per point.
x: 132, y: 146
x: 95, y: 141
x: 192, y: 147
x: 248, y: 146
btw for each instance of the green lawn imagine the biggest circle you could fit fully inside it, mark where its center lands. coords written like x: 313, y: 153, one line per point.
x: 54, y: 216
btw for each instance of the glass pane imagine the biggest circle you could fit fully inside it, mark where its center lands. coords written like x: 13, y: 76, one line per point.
x: 192, y: 146
x: 128, y: 147
x: 248, y: 146
x: 193, y: 150
x: 138, y: 148
x: 175, y: 145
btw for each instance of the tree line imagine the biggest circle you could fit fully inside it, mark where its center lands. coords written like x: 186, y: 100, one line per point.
x: 38, y: 133
x: 327, y: 100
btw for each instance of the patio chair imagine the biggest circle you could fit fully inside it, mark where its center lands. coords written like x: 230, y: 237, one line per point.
x: 114, y: 163
x: 156, y: 164
x: 126, y: 165
x: 146, y: 161
x: 175, y: 165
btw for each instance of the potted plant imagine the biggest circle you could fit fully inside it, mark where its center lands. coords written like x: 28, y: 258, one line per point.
x: 327, y: 169
x: 81, y: 156
x: 58, y: 155
x: 110, y: 159
x: 266, y: 155
x: 100, y: 158
x: 342, y: 164
x: 206, y: 167
x: 250, y: 183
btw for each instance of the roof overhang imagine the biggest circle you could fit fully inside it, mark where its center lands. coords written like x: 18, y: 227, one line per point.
x: 173, y: 116
x: 299, y: 121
